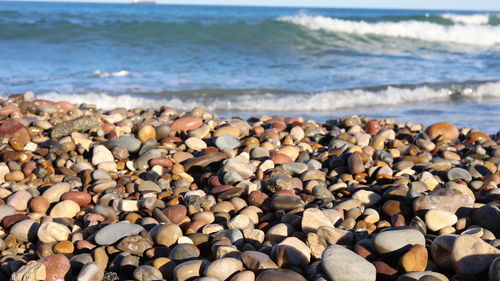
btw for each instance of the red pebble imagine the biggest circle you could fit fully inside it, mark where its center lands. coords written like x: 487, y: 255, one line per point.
x: 81, y: 198
x: 372, y: 127
x: 175, y: 213
x: 57, y: 266
x: 84, y: 245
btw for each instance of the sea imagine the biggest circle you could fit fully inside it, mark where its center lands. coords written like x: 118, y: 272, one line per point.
x: 420, y: 66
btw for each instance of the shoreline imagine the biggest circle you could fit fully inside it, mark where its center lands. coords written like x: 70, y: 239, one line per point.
x: 156, y: 195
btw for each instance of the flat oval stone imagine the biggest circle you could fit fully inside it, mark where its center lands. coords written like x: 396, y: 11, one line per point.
x: 202, y: 132
x: 286, y: 202
x: 25, y: 230
x: 103, y: 186
x: 145, y: 133
x: 367, y: 197
x: 65, y: 209
x: 341, y: 264
x: 240, y: 222
x: 142, y: 162
x: 12, y: 219
x: 101, y: 175
x: 439, y: 219
x: 111, y: 233
x: 19, y: 200
x: 233, y: 131
x: 166, y: 234
x: 39, y: 204
x: 478, y: 137
x: 175, y: 213
x: 415, y: 259
x: 6, y: 210
x: 355, y: 163
x: 227, y: 141
x: 205, y: 160
x: 52, y: 231
x: 222, y: 269
x: 442, y: 131
x: 64, y: 247
x: 54, y: 193
x: 195, y: 143
x: 130, y: 143
x: 149, y: 186
x: 281, y: 158
x: 183, y: 252
x: 294, y: 168
x: 393, y: 240
x: 458, y: 174
x: 81, y: 198
x: 186, y: 124
x: 189, y: 270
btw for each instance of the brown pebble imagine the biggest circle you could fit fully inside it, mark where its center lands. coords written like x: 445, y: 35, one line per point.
x: 175, y: 213
x: 442, y: 132
x: 186, y: 124
x: 64, y: 247
x: 415, y: 259
x: 81, y: 198
x: 39, y: 204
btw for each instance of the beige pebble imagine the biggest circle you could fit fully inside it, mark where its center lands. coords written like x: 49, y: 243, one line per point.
x: 65, y: 209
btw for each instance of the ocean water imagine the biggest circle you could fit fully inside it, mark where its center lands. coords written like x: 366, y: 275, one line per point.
x: 421, y: 66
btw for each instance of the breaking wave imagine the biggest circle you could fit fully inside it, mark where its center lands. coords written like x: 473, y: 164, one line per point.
x: 471, y: 34
x: 259, y: 101
x: 468, y: 19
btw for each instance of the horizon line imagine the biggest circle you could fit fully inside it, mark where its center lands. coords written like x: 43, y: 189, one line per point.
x: 257, y: 6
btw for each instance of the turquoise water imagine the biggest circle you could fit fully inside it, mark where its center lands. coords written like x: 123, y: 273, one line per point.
x: 412, y: 65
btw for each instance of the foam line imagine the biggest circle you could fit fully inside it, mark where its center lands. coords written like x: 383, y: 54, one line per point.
x: 322, y: 101
x: 467, y: 19
x: 471, y: 34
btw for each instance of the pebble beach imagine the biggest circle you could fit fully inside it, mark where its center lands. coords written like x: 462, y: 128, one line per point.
x: 140, y: 194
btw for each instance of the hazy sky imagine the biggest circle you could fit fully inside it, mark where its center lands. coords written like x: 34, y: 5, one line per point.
x: 492, y: 5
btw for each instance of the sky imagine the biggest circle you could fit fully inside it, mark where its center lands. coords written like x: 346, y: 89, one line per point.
x: 484, y: 5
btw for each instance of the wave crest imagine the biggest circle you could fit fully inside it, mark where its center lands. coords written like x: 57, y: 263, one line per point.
x: 478, y: 35
x: 467, y: 19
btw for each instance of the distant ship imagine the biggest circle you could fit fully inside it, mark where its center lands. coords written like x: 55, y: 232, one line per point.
x: 143, y: 2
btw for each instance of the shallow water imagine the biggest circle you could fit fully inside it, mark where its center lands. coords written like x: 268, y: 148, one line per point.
x: 423, y: 66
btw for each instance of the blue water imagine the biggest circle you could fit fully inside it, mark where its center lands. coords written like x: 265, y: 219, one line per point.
x: 408, y: 64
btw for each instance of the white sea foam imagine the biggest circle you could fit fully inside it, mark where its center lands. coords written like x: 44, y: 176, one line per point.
x: 467, y: 19
x: 324, y: 101
x: 472, y: 34
x: 104, y: 74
